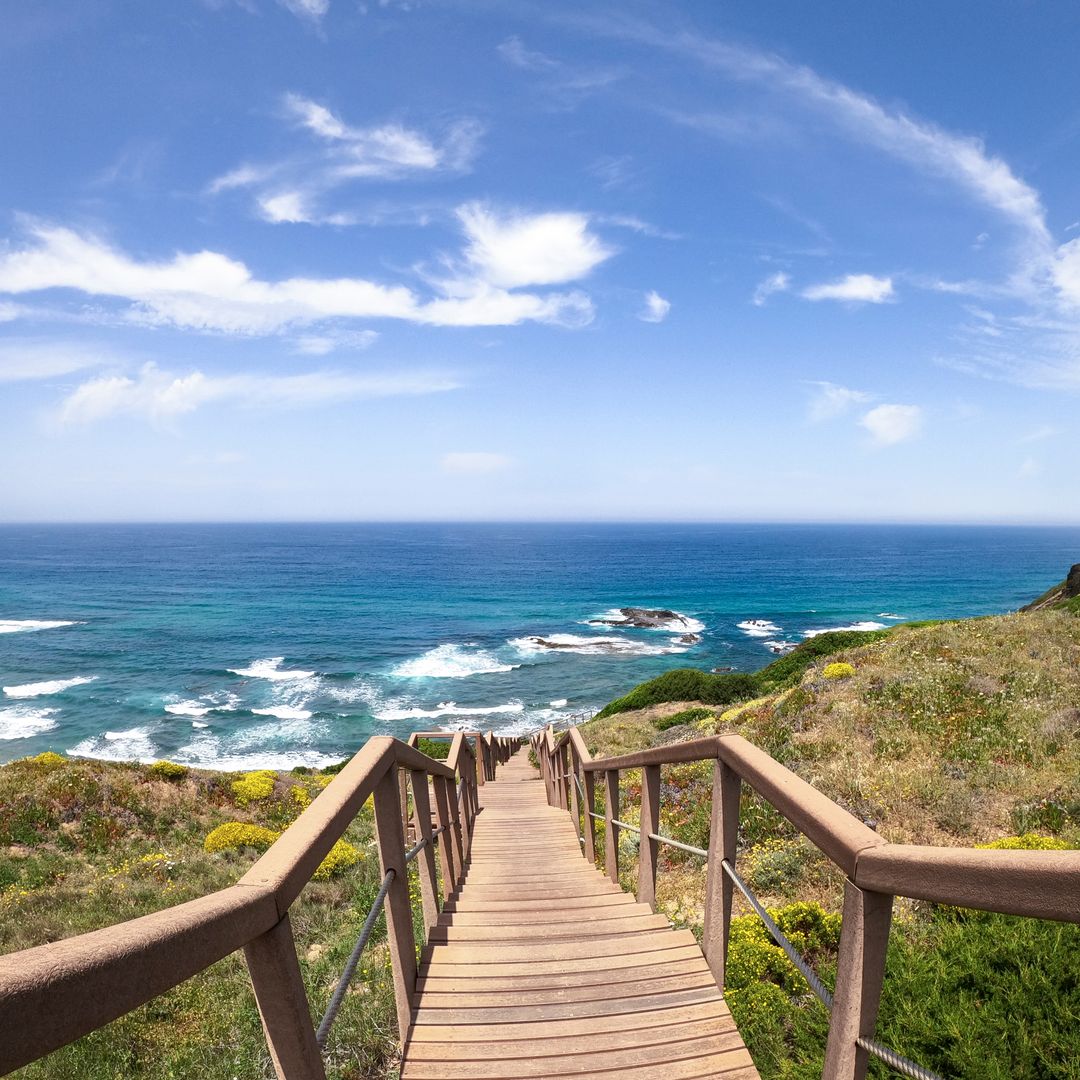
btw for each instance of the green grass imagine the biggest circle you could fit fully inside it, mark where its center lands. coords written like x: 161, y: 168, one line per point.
x: 86, y: 844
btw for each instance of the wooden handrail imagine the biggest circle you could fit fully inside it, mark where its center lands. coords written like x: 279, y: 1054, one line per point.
x: 1042, y: 884
x: 55, y: 993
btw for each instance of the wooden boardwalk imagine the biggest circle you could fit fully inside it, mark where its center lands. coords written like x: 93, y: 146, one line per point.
x: 541, y: 967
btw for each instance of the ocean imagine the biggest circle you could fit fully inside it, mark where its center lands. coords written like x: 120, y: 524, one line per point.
x: 245, y: 646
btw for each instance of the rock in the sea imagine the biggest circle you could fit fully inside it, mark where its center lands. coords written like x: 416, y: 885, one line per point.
x: 644, y: 619
x: 688, y: 639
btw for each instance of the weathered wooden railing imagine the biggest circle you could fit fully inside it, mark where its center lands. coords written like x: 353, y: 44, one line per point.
x: 1042, y: 884
x: 53, y: 994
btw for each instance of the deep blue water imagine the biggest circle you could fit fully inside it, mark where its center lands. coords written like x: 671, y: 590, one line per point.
x: 180, y: 627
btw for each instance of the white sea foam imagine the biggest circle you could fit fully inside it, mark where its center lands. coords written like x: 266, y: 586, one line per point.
x: 680, y: 624
x: 585, y: 645
x: 270, y: 668
x: 889, y: 615
x: 40, y: 689
x: 22, y: 626
x: 259, y: 747
x: 779, y: 647
x: 559, y: 703
x: 449, y: 708
x: 868, y: 625
x: 133, y: 745
x: 451, y: 662
x: 188, y: 708
x: 198, y: 724
x: 24, y: 721
x: 759, y: 628
x: 284, y: 712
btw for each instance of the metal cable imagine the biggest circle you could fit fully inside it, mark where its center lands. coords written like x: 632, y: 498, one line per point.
x: 896, y: 1061
x: 790, y: 951
x: 354, y: 959
x: 415, y: 850
x: 679, y: 844
x: 624, y: 825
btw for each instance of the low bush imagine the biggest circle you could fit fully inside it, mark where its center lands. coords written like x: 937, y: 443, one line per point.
x: 838, y: 671
x: 687, y: 716
x: 254, y: 786
x: 168, y: 770
x: 340, y: 857
x: 1027, y: 842
x: 439, y: 749
x: 239, y: 834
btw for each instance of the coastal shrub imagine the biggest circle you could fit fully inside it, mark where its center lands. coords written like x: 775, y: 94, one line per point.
x: 239, y: 834
x: 48, y: 760
x: 300, y: 796
x: 439, y: 749
x: 775, y: 865
x: 1026, y: 842
x: 168, y: 770
x: 687, y: 716
x: 726, y: 688
x: 253, y: 786
x: 340, y: 857
x: 838, y: 671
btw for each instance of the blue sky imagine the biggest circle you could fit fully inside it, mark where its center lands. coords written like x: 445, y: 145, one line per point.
x: 324, y: 259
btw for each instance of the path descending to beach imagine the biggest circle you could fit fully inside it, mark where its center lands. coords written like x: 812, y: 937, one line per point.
x: 542, y: 967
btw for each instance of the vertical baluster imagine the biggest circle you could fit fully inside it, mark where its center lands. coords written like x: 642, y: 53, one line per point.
x: 611, y: 830
x: 425, y: 860
x: 399, y: 924
x: 283, y: 1004
x: 648, y: 849
x: 575, y: 802
x: 590, y: 821
x: 860, y: 971
x: 447, y: 840
x: 723, y: 840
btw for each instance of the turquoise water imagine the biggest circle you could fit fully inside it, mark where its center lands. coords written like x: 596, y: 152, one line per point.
x: 277, y: 645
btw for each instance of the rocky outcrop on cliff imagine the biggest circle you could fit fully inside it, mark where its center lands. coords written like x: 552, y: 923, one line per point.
x: 1069, y: 588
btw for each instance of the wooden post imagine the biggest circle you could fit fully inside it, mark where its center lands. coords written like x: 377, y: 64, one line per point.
x: 399, y: 924
x: 860, y: 971
x: 445, y: 821
x: 590, y: 821
x: 723, y: 841
x: 283, y: 1004
x: 611, y: 830
x: 425, y: 860
x: 450, y: 785
x: 648, y: 849
x: 575, y: 802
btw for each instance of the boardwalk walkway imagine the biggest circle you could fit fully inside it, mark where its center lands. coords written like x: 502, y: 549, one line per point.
x: 541, y: 967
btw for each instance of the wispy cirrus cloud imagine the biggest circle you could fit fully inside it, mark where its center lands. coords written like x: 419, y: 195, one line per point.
x: 157, y: 395
x: 774, y: 283
x: 854, y: 289
x: 30, y: 359
x: 294, y: 189
x: 210, y: 291
x: 831, y: 400
x: 567, y: 83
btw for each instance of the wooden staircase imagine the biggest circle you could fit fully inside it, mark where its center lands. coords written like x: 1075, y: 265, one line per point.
x: 539, y: 966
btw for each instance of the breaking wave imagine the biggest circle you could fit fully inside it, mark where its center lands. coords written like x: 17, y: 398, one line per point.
x: 270, y: 669
x: 22, y: 626
x: 24, y: 721
x: 40, y: 689
x: 861, y: 626
x: 451, y: 662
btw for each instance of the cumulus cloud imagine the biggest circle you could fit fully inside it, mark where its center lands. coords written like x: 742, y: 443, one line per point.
x: 511, y: 250
x: 207, y: 290
x: 854, y: 288
x: 656, y: 308
x: 155, y: 394
x: 890, y: 424
x: 774, y: 283
x: 474, y: 462
x: 831, y: 401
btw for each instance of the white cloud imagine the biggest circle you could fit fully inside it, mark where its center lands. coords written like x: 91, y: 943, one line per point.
x: 25, y: 360
x: 474, y: 462
x: 1029, y: 467
x: 333, y: 341
x: 513, y: 51
x: 307, y: 9
x: 854, y: 288
x: 160, y: 395
x: 831, y: 401
x: 291, y: 190
x: 656, y: 308
x: 517, y: 249
x: 774, y: 283
x: 890, y: 424
x: 1040, y: 434
x: 207, y: 290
